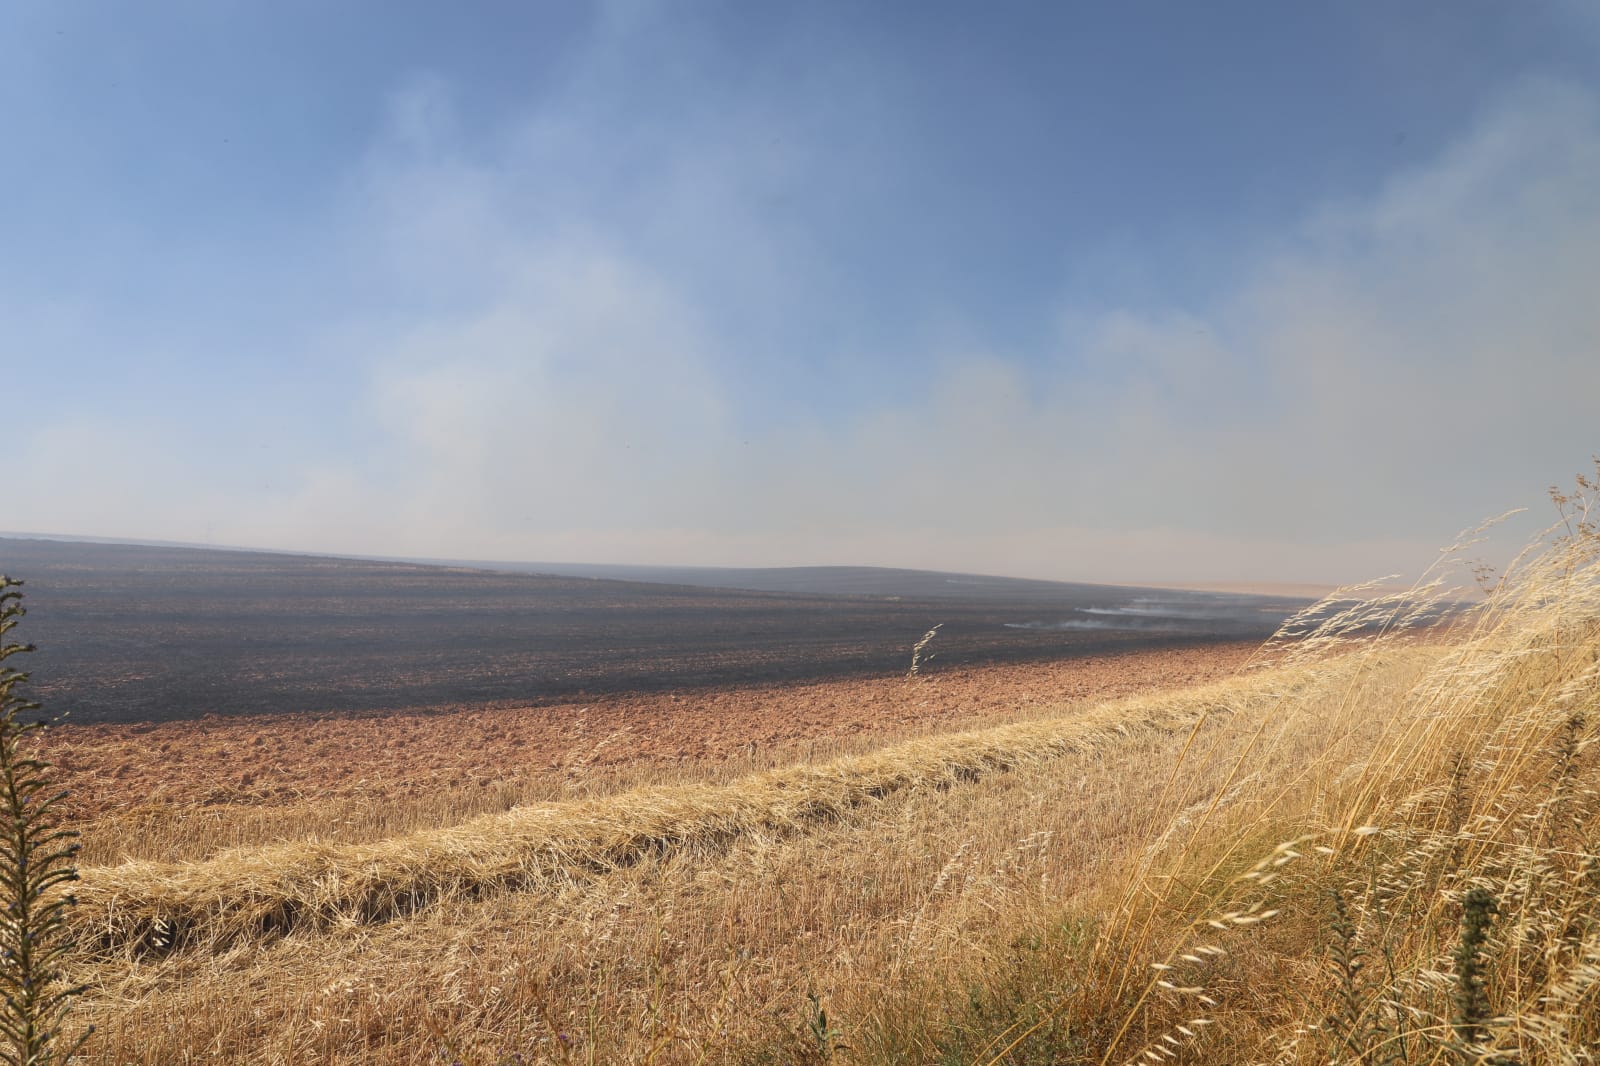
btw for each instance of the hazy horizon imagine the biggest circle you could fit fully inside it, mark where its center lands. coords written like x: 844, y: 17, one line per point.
x: 657, y: 572
x: 1142, y: 294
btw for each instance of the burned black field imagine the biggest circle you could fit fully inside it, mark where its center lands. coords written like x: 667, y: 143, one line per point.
x: 134, y: 633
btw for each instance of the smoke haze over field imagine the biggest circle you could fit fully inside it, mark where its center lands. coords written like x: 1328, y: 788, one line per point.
x: 1274, y: 295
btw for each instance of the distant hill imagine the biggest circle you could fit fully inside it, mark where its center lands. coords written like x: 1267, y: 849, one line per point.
x: 830, y: 580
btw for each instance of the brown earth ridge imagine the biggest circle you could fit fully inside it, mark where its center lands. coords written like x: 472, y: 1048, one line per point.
x: 266, y: 760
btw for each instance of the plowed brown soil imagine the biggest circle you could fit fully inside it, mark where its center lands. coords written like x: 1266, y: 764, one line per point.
x: 283, y: 760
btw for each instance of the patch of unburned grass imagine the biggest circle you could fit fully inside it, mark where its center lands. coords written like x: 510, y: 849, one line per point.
x: 715, y: 948
x: 252, y: 894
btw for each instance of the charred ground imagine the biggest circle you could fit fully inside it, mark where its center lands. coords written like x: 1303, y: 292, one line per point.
x: 138, y: 633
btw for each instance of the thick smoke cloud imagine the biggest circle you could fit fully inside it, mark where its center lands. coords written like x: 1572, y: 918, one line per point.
x: 570, y: 366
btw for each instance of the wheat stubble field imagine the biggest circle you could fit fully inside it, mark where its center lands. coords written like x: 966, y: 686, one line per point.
x: 1189, y: 849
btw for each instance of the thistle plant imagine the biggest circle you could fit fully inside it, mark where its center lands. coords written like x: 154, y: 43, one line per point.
x: 1348, y: 1025
x: 35, y: 869
x: 1473, y: 1013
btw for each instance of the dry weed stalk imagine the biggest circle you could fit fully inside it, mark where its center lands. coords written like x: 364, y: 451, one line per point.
x: 918, y: 659
x: 35, y: 870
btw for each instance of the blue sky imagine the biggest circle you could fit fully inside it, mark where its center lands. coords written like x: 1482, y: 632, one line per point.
x: 1120, y: 292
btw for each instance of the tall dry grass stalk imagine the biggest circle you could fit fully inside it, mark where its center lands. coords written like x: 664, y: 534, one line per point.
x: 918, y: 659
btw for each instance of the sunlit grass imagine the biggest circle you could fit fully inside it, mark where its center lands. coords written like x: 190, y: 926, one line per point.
x: 1380, y: 847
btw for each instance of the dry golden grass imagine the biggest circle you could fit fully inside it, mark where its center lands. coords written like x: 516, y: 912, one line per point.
x: 255, y: 893
x: 1432, y: 895
x: 1384, y: 850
